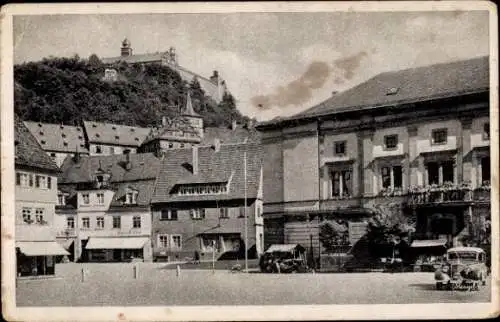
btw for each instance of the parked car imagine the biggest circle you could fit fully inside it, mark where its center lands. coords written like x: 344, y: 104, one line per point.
x: 284, y: 258
x: 462, y: 267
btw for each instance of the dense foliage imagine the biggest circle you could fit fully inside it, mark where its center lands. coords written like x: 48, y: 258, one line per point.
x: 69, y: 90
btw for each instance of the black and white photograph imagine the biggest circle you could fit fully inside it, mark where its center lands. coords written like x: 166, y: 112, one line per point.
x: 250, y: 161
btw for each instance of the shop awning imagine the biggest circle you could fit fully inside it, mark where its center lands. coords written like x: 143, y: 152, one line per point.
x: 429, y: 243
x: 116, y: 242
x: 41, y: 248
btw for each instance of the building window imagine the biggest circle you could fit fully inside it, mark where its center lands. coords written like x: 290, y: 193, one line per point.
x: 39, y: 216
x: 170, y: 145
x: 197, y: 213
x: 85, y: 198
x: 98, y: 149
x: 27, y: 215
x: 49, y: 183
x: 100, y: 198
x: 31, y: 180
x: 70, y: 222
x: 391, y: 141
x: 392, y: 177
x: 163, y: 241
x: 439, y: 136
x: 100, y: 223
x: 131, y: 198
x: 440, y: 172
x: 111, y: 150
x: 203, y: 189
x: 136, y: 222
x: 53, y: 155
x: 85, y: 223
x: 242, y: 212
x: 485, y: 170
x: 340, y: 148
x: 342, y: 183
x: 223, y: 213
x: 117, y: 222
x: 41, y: 182
x: 61, y: 199
x: 168, y: 214
x: 23, y: 179
x: 176, y: 242
x: 182, y: 145
x: 486, y: 131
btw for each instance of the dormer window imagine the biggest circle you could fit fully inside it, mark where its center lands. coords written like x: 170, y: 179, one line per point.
x: 61, y: 199
x: 98, y: 149
x: 131, y: 197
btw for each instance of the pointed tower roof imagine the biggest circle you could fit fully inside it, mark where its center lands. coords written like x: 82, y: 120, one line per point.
x: 189, y: 110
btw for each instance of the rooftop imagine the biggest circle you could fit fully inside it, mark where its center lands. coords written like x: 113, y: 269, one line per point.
x: 58, y: 137
x: 108, y: 133
x: 213, y: 166
x: 28, y: 151
x: 406, y: 86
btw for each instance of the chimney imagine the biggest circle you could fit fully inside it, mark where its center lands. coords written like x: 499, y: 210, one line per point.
x: 195, y: 159
x: 216, y: 145
x: 215, y: 77
x: 128, y: 164
x: 233, y: 125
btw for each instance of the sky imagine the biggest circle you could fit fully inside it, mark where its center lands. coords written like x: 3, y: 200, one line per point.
x: 275, y: 64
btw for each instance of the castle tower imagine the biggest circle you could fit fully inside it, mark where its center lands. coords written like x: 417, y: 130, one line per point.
x: 194, y: 119
x: 126, y: 49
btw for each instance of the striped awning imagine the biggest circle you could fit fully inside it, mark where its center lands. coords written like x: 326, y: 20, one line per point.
x: 41, y: 248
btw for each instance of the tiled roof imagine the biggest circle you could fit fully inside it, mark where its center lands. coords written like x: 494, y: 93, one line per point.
x: 230, y: 136
x: 57, y: 137
x: 227, y: 162
x: 143, y: 166
x: 407, y: 86
x: 108, y: 133
x: 144, y: 188
x: 28, y: 151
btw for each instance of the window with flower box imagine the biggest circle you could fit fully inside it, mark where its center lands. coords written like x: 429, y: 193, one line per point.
x: 440, y: 172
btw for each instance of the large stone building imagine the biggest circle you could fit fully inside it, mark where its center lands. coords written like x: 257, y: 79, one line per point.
x: 199, y: 202
x: 36, y: 195
x: 416, y: 138
x: 214, y: 86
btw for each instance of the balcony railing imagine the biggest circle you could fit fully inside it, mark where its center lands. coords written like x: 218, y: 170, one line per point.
x: 482, y: 194
x: 446, y: 193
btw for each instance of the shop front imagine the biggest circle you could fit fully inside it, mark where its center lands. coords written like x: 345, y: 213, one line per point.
x: 117, y: 249
x: 38, y: 258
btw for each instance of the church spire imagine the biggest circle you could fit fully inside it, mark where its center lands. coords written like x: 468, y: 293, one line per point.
x: 188, y: 109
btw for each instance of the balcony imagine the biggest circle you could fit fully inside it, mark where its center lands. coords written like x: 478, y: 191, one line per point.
x: 440, y: 194
x: 482, y: 194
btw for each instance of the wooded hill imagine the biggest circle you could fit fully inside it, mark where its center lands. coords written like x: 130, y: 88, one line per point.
x: 69, y: 90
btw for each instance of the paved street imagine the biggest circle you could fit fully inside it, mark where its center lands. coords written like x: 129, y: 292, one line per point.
x: 114, y: 284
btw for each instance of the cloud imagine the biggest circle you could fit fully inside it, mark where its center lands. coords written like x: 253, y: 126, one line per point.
x: 348, y: 65
x: 298, y: 91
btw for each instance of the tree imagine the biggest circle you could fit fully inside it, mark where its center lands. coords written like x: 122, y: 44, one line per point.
x: 332, y: 235
x: 386, y: 227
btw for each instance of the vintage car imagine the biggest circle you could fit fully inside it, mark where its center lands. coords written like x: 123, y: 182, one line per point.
x: 462, y: 267
x: 284, y: 258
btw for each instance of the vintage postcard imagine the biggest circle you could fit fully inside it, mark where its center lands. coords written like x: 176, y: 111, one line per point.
x: 250, y: 161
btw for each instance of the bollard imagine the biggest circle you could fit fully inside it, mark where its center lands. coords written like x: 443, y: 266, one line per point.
x: 83, y: 275
x: 178, y: 270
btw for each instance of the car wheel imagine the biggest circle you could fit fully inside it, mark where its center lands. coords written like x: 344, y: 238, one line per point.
x: 439, y: 286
